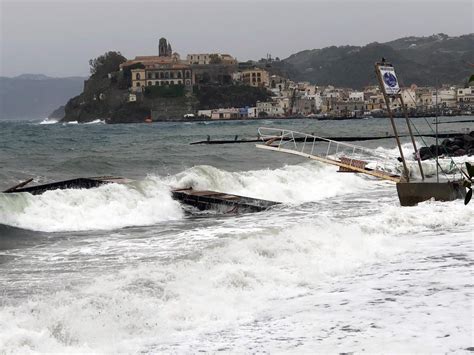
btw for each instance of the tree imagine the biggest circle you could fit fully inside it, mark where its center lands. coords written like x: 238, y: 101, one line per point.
x: 107, y: 63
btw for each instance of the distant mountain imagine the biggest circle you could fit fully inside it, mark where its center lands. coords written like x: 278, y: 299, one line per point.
x: 437, y: 59
x: 35, y: 95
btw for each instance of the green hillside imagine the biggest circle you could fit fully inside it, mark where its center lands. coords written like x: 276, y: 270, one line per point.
x: 437, y: 59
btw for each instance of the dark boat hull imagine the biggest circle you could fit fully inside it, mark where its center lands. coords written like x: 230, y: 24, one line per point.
x: 412, y: 193
x: 228, y: 203
x: 78, y: 183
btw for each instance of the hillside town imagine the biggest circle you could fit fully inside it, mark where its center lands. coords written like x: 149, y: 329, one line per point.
x: 287, y: 98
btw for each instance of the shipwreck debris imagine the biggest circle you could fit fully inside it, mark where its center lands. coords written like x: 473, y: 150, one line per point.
x: 228, y: 203
x: 78, y: 183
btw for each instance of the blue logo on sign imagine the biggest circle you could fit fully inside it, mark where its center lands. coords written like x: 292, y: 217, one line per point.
x: 390, y: 79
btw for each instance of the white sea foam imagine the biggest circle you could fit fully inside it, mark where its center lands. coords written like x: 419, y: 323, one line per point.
x: 114, y: 206
x: 448, y: 167
x: 96, y: 122
x: 160, y: 306
x: 272, y: 284
x: 49, y: 121
x: 107, y: 207
x: 310, y: 181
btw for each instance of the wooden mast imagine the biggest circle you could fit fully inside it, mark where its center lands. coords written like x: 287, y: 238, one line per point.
x: 407, y: 120
x: 390, y: 114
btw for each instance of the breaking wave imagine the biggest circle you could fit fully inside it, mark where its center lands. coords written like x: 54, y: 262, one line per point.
x: 107, y: 207
x: 183, y: 305
x: 49, y: 121
x: 449, y: 167
x: 310, y: 181
x: 96, y: 122
x: 149, y: 201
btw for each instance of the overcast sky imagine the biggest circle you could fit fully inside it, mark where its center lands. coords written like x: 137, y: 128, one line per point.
x: 58, y: 38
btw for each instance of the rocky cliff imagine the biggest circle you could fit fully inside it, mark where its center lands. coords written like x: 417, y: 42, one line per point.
x: 109, y: 99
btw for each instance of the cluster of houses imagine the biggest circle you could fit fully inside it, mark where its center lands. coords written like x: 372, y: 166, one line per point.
x: 289, y: 98
x: 303, y: 99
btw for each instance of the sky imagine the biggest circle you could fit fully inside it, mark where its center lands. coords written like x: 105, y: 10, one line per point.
x: 57, y: 38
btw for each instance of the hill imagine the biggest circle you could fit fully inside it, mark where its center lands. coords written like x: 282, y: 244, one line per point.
x: 35, y: 95
x: 432, y: 60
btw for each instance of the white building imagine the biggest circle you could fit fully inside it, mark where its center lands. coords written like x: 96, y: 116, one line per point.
x: 444, y: 97
x: 270, y: 108
x: 357, y: 96
x: 208, y: 58
x: 318, y: 101
x: 465, y: 95
x: 409, y: 97
x: 204, y: 113
x: 252, y: 112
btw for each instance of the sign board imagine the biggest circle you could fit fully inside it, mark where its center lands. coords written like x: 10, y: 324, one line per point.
x: 390, y: 81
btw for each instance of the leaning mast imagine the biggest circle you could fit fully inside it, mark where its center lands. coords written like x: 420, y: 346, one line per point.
x: 388, y: 84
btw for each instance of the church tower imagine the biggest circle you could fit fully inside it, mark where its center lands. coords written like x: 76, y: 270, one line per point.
x: 163, y: 47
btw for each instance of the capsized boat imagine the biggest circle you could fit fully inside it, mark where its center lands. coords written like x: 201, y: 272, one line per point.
x: 352, y: 158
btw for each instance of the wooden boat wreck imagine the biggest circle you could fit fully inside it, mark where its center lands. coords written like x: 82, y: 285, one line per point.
x: 201, y: 199
x: 350, y: 158
x: 77, y: 183
x: 412, y: 192
x: 228, y: 203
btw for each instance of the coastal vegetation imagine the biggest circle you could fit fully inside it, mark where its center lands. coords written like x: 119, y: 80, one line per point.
x: 169, y: 91
x: 433, y: 60
x: 107, y: 63
x: 107, y: 95
x: 425, y: 61
x: 211, y: 96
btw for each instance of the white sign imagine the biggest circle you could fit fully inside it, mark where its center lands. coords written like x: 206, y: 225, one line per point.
x: 390, y: 81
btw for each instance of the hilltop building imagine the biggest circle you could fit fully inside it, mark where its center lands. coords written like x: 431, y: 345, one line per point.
x: 256, y: 77
x: 164, y: 48
x: 163, y: 69
x: 210, y: 58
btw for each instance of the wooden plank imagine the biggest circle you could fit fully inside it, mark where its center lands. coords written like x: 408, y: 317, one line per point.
x: 379, y: 174
x: 206, y: 200
x: 20, y: 185
x: 352, y: 162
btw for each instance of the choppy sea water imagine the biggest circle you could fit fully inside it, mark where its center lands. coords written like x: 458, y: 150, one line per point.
x: 338, y: 267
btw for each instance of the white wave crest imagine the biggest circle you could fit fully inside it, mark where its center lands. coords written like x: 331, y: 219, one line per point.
x: 310, y: 181
x: 107, y: 207
x: 96, y: 122
x: 172, y: 306
x: 49, y: 121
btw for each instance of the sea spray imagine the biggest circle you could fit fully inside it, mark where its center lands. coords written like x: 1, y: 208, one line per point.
x: 159, y: 304
x: 149, y: 201
x: 107, y: 207
x: 310, y: 181
x: 49, y: 121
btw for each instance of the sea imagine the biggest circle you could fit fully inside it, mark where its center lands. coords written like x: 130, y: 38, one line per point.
x: 338, y: 267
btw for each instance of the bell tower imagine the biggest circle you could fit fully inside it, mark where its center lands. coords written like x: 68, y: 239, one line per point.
x: 163, y: 47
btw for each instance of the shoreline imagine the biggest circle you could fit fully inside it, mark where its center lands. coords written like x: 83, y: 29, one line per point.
x: 190, y: 120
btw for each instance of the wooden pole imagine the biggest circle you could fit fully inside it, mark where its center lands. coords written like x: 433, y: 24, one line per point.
x: 417, y: 157
x: 394, y: 127
x: 21, y: 184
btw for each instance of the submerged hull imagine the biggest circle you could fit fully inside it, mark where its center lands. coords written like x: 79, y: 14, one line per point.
x: 412, y: 193
x: 228, y: 203
x: 78, y: 183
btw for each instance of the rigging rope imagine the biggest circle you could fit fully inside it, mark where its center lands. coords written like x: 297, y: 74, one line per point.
x: 442, y: 147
